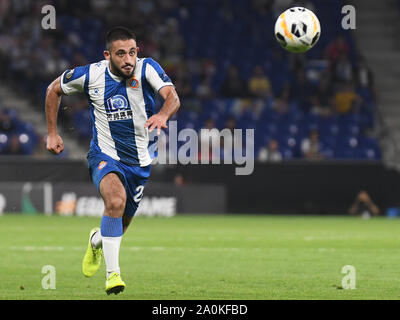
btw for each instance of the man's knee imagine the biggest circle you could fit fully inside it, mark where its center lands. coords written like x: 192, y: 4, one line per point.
x: 115, y: 206
x: 114, y: 195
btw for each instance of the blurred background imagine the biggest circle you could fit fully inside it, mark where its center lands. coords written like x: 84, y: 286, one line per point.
x: 327, y: 122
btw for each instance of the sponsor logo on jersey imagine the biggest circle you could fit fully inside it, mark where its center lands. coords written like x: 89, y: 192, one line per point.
x: 69, y: 74
x: 117, y: 108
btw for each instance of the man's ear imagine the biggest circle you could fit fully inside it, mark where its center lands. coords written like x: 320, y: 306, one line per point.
x: 107, y: 54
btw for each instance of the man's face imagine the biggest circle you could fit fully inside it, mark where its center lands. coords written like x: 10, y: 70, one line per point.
x: 122, y: 56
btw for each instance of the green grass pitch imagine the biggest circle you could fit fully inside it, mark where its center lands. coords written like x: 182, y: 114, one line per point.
x: 199, y: 257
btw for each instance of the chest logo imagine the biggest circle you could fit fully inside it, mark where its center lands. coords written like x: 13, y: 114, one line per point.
x: 117, y: 108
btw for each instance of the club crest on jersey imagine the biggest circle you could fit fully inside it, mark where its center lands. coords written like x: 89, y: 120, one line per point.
x: 133, y: 83
x: 102, y: 164
x: 117, y: 108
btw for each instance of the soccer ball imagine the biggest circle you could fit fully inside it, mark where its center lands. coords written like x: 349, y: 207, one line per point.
x: 297, y: 29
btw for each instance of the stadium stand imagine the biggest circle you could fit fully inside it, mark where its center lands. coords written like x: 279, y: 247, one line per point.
x: 211, y: 49
x: 16, y: 137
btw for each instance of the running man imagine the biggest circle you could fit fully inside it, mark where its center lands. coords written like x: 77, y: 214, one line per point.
x: 120, y: 91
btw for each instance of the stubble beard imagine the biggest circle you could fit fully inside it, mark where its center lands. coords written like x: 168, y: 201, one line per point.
x: 118, y: 72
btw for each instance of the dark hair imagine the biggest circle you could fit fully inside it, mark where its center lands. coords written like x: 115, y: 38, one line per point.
x: 118, y: 33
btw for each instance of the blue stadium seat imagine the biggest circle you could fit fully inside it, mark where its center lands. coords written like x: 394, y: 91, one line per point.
x: 27, y: 142
x: 4, y: 142
x: 287, y: 154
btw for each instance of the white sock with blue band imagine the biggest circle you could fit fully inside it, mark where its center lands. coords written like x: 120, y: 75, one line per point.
x: 111, y: 233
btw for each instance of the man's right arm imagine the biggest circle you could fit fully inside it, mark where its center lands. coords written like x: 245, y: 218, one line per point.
x: 54, y: 92
x: 70, y: 82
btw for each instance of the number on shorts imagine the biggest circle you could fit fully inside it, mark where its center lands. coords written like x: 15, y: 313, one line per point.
x: 139, y: 194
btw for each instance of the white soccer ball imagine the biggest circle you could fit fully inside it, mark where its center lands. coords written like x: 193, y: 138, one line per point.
x: 297, y: 29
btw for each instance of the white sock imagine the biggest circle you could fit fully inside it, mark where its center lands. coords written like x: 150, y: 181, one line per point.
x: 96, y: 240
x: 111, y: 247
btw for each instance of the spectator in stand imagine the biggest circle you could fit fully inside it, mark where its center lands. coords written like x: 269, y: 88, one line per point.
x: 149, y: 48
x: 234, y: 86
x: 301, y: 91
x: 259, y: 84
x: 321, y: 99
x: 311, y: 146
x: 7, y: 124
x: 55, y: 64
x: 78, y: 60
x: 215, y: 144
x: 230, y: 124
x: 229, y: 142
x: 336, y: 48
x: 270, y: 152
x: 209, y: 137
x: 14, y: 147
x: 364, y: 77
x: 346, y: 100
x: 281, y: 102
x: 171, y: 42
x: 204, y: 90
x: 342, y: 69
x: 182, y: 80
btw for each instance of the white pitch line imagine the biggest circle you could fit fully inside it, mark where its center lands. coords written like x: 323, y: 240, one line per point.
x: 136, y: 248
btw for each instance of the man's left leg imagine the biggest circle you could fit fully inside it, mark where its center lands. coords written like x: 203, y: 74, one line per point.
x: 105, y: 241
x: 95, y: 236
x: 94, y: 253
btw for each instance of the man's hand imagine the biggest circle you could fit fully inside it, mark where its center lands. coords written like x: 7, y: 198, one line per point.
x: 55, y: 144
x: 157, y: 121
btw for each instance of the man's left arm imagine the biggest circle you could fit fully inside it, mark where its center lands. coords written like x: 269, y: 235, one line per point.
x: 169, y: 108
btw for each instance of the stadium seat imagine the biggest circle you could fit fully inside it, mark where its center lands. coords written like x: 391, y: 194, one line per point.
x: 4, y: 142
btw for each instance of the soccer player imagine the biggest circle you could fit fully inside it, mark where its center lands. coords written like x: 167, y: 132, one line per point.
x: 120, y: 91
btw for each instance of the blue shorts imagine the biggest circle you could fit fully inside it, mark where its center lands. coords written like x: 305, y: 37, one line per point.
x: 133, y: 178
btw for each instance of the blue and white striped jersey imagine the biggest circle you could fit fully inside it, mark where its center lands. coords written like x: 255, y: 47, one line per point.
x: 119, y: 107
